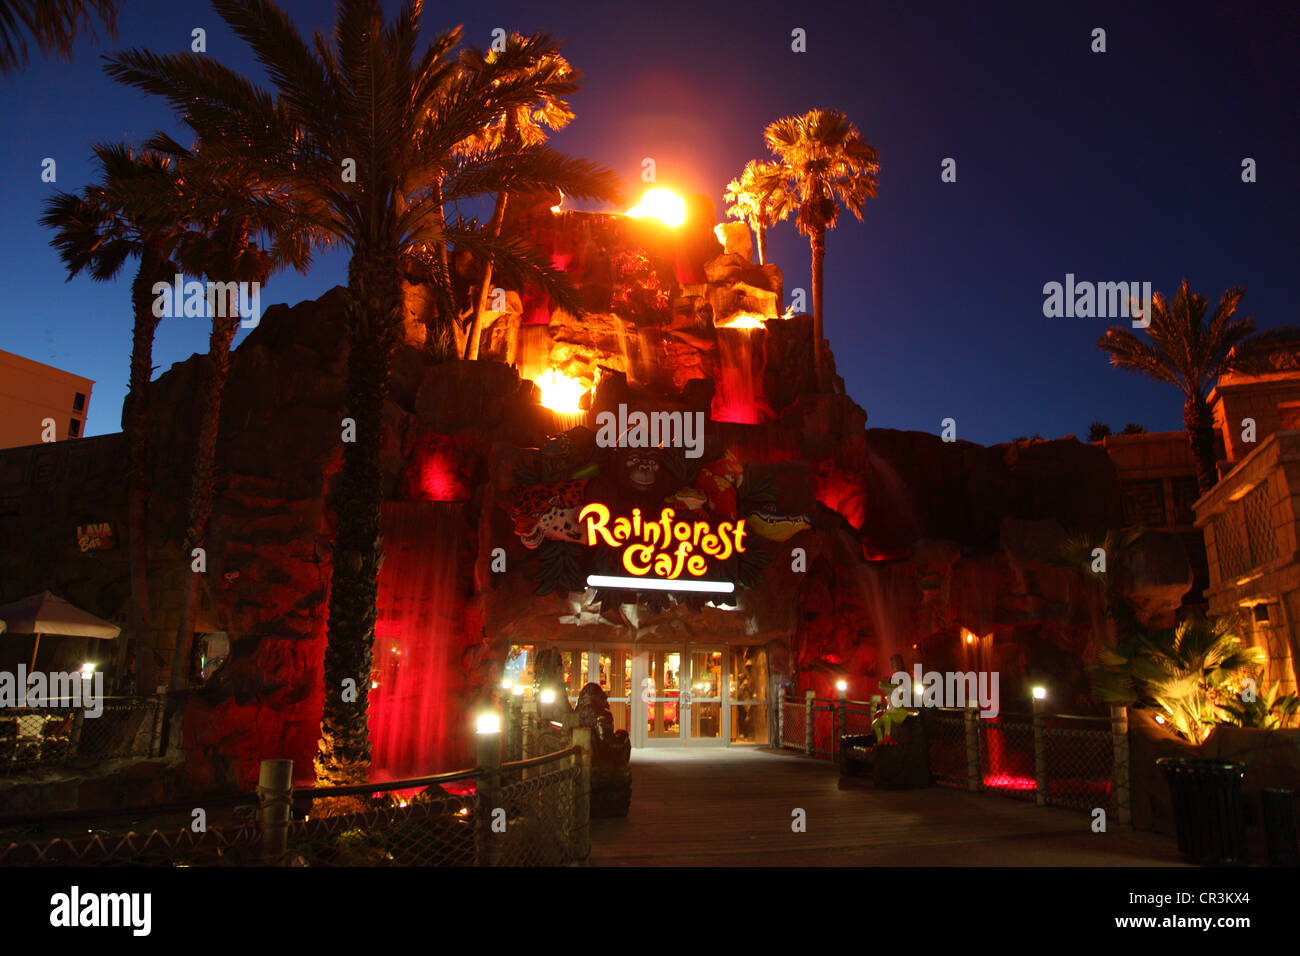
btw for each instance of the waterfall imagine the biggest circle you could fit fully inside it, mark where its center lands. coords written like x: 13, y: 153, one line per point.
x: 418, y: 643
x: 738, y: 378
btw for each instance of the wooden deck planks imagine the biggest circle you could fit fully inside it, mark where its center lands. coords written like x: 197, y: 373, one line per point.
x: 733, y: 807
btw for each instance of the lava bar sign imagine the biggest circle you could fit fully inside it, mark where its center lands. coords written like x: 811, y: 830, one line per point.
x: 663, y: 547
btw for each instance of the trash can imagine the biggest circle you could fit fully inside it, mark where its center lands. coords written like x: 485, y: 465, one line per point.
x: 1208, y: 810
x: 1280, y: 826
x: 855, y: 753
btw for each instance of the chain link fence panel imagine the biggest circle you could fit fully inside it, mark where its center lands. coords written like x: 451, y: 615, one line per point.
x: 36, y: 738
x: 1007, y: 755
x: 948, y: 757
x: 1080, y: 766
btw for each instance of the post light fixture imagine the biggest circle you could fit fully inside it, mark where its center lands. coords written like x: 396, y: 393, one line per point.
x: 1040, y: 692
x: 488, y: 724
x: 518, y: 690
x: 547, y: 697
x: 507, y: 683
x: 841, y: 685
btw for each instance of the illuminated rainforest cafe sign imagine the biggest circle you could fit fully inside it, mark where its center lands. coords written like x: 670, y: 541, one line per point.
x: 663, y: 547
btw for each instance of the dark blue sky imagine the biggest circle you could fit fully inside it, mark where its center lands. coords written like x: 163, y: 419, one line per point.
x: 1116, y: 166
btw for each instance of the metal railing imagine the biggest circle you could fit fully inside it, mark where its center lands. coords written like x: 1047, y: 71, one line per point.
x: 34, y: 739
x: 532, y: 812
x: 1062, y: 760
x: 815, y: 725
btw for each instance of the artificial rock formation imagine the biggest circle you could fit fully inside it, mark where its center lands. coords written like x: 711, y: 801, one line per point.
x: 874, y: 542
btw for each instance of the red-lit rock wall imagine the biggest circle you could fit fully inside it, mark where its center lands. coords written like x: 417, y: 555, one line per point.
x: 910, y: 540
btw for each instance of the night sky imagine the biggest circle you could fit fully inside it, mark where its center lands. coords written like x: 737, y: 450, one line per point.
x: 1122, y: 166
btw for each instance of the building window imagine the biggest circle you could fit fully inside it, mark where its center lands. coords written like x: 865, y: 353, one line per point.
x: 1186, y: 491
x: 1144, y: 503
x: 79, y: 402
x: 74, y: 428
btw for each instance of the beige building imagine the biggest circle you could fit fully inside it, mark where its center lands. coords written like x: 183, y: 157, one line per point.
x: 1251, y: 518
x: 34, y: 396
x: 1271, y: 400
x: 1157, y: 477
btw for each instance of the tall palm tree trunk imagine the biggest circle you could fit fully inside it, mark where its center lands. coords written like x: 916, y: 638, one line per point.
x: 494, y: 229
x: 375, y: 292
x: 761, y: 235
x: 1199, y: 422
x: 137, y: 426
x: 202, y: 483
x: 818, y: 243
x: 448, y: 332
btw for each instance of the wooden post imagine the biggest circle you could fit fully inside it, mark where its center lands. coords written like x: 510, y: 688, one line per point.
x: 1040, y: 755
x: 487, y: 790
x: 275, y: 797
x: 507, y: 727
x: 529, y: 732
x: 780, y: 716
x: 1120, y: 774
x: 582, y: 797
x: 808, y: 738
x: 972, y: 716
x: 155, y: 735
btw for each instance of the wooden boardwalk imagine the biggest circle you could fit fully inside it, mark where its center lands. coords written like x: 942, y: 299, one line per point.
x: 733, y: 807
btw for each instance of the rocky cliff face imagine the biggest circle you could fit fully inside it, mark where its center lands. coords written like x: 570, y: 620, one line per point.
x: 873, y: 541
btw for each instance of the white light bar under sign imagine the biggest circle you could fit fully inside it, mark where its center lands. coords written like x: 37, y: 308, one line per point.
x: 658, y: 584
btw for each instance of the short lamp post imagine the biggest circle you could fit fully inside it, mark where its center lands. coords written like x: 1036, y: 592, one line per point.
x: 1040, y: 746
x: 487, y: 730
x: 507, y: 720
x: 842, y: 691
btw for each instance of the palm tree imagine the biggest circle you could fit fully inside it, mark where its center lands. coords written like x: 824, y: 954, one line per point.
x: 96, y: 231
x: 229, y: 239
x: 53, y: 24
x: 523, y: 125
x: 346, y: 149
x: 756, y: 198
x: 825, y: 162
x: 1187, y: 352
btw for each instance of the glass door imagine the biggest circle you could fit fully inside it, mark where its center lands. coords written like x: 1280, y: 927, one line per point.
x: 660, y: 687
x: 681, y: 696
x: 704, y: 722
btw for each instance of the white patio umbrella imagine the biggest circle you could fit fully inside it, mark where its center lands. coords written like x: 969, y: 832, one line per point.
x: 47, y: 613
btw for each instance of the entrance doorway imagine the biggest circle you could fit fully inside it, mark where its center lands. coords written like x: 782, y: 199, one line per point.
x: 666, y: 695
x: 681, y: 696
